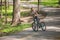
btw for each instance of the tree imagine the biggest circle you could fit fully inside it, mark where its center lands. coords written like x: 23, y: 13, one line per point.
x: 59, y: 2
x: 0, y: 8
x: 16, y: 12
x: 6, y: 6
x: 38, y: 5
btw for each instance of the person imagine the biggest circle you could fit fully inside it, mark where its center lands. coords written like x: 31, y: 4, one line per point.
x: 35, y: 14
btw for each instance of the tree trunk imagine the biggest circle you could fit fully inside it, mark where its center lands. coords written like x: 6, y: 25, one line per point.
x: 16, y: 12
x: 6, y: 5
x: 38, y: 5
x: 59, y: 2
x: 1, y: 9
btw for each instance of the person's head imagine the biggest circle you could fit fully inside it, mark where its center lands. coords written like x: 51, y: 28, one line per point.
x: 32, y: 9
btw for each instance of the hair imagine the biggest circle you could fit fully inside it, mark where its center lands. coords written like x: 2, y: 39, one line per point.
x: 32, y: 9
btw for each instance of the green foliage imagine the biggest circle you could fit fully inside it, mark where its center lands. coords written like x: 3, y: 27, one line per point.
x: 24, y: 0
x: 10, y: 12
x: 9, y: 29
x: 44, y: 3
x: 25, y: 14
x: 47, y: 2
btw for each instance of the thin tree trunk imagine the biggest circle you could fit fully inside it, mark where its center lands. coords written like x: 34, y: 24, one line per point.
x: 1, y: 9
x: 6, y: 5
x: 59, y: 2
x: 38, y: 6
x: 16, y: 12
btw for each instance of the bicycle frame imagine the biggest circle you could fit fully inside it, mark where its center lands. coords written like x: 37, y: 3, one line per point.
x: 38, y: 25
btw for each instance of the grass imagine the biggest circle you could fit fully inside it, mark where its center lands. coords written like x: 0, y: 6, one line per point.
x: 10, y: 12
x: 23, y: 0
x: 49, y: 0
x: 7, y: 28
x: 23, y: 14
x: 52, y: 3
x: 43, y: 2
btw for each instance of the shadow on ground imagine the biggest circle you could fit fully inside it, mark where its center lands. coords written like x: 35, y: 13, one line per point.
x: 29, y: 35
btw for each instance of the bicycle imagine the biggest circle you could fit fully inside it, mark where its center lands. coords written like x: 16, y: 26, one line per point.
x: 36, y: 25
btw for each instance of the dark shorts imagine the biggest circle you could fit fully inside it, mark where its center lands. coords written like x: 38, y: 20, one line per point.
x: 36, y: 19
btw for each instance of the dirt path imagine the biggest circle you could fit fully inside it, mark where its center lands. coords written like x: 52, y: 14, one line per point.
x: 52, y: 33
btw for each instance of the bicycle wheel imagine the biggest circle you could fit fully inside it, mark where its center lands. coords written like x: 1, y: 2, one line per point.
x: 35, y: 26
x: 43, y: 26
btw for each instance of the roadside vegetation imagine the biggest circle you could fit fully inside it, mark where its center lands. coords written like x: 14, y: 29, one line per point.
x: 8, y: 29
x: 47, y: 2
